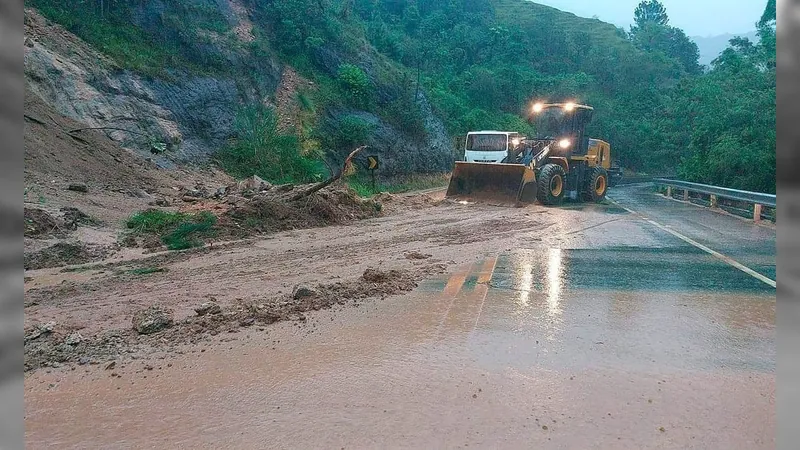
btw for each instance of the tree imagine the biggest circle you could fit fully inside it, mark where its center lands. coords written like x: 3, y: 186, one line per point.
x: 653, y: 34
x: 670, y: 41
x: 766, y: 34
x: 650, y: 11
x: 770, y: 15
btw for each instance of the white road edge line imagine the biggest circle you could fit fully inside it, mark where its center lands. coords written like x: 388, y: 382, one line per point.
x: 716, y: 254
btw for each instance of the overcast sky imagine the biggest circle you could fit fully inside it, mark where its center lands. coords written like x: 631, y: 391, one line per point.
x: 696, y: 17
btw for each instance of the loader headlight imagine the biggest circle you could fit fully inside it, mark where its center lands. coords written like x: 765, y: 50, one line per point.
x: 564, y: 143
x: 569, y: 106
x: 537, y: 108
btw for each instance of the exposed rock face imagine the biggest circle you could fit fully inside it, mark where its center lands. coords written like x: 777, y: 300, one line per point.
x: 400, y: 154
x: 192, y: 115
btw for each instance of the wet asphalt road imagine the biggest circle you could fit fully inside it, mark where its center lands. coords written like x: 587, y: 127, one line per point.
x: 621, y: 336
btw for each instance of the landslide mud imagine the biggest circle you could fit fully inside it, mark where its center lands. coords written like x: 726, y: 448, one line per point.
x: 52, y: 345
x: 98, y: 300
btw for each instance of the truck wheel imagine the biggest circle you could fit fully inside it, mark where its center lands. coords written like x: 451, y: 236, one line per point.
x: 552, y: 184
x: 597, y: 185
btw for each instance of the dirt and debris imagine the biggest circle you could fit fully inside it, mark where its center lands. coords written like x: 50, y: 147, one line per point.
x: 273, y: 210
x: 78, y: 187
x: 211, y: 307
x: 74, y: 217
x: 417, y: 255
x: 65, y: 253
x: 153, y: 319
x: 393, y: 203
x: 301, y: 292
x: 155, y: 327
x: 40, y: 223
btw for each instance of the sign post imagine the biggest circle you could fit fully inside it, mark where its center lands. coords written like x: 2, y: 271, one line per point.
x: 373, y: 164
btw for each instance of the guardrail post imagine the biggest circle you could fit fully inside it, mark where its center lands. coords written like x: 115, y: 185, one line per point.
x: 757, y: 212
x: 713, y: 200
x: 669, y: 191
x: 686, y: 195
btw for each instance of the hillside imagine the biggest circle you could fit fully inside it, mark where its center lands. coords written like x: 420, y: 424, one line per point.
x: 285, y: 89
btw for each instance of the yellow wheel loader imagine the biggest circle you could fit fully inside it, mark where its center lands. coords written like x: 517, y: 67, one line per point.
x: 559, y: 162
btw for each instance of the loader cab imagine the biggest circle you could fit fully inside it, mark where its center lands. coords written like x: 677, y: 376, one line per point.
x: 490, y: 146
x: 562, y: 124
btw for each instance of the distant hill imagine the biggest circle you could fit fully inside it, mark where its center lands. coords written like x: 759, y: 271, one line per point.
x: 711, y: 46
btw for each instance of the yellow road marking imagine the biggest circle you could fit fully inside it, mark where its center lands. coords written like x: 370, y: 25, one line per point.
x: 727, y: 259
x: 454, y: 284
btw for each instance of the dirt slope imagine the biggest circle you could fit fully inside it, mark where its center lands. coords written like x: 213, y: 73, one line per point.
x: 53, y: 150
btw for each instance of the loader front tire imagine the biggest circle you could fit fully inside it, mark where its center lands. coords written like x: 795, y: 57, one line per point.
x: 552, y: 185
x: 596, y: 186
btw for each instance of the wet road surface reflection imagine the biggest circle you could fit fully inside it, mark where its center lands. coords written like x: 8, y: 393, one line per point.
x: 546, y: 348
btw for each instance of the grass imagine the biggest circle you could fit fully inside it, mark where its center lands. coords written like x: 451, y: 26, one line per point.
x: 260, y: 149
x: 178, y: 231
x: 154, y: 221
x: 363, y: 185
x: 114, y: 34
x: 189, y: 234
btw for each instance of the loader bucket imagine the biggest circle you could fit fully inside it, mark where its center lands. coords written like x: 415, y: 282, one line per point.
x: 508, y: 184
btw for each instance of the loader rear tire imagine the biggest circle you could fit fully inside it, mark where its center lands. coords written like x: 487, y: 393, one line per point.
x: 552, y: 185
x: 596, y: 186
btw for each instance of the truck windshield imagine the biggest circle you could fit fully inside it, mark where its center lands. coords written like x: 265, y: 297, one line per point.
x: 552, y: 123
x: 487, y: 143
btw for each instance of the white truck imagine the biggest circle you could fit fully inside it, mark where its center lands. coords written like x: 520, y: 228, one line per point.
x: 490, y: 146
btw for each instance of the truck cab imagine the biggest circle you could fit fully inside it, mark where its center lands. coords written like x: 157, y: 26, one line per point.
x: 490, y: 146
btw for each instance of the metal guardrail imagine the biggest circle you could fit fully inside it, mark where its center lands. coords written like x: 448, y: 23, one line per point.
x: 757, y: 199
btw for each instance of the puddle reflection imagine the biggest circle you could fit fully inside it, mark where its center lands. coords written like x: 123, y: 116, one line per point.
x: 555, y: 275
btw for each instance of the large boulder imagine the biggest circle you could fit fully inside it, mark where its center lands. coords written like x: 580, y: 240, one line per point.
x: 152, y: 320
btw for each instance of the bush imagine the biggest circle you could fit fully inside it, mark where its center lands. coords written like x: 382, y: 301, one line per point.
x: 154, y: 221
x: 356, y: 85
x: 261, y: 150
x: 350, y: 132
x: 188, y: 234
x: 178, y: 231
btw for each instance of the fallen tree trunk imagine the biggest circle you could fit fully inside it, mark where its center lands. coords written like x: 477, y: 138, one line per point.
x: 331, y: 180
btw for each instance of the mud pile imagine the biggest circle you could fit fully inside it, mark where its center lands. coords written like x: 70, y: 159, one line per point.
x: 40, y: 223
x: 275, y: 210
x: 49, y: 345
x: 396, y: 203
x: 254, y: 206
x: 65, y: 253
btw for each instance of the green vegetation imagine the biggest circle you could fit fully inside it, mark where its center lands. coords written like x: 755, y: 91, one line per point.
x: 155, y: 221
x: 480, y: 64
x: 356, y: 85
x: 178, y: 231
x: 147, y: 270
x: 262, y: 150
x: 189, y: 233
x: 108, y: 27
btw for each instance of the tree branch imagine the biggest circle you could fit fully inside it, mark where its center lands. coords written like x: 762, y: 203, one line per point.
x: 331, y: 180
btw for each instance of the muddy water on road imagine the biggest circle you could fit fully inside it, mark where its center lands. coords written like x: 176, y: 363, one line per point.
x: 547, y: 348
